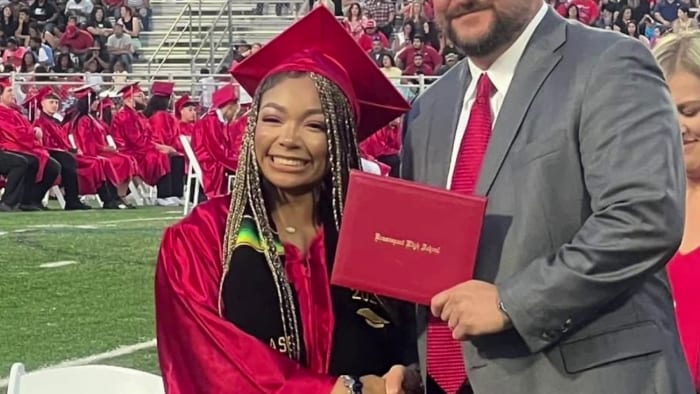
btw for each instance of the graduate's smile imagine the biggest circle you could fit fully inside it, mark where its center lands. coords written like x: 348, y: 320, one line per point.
x: 287, y: 163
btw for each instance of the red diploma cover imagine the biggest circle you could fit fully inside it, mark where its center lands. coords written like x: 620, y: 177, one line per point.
x: 404, y: 240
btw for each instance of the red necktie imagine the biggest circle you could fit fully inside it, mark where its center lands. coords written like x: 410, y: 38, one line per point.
x: 444, y: 357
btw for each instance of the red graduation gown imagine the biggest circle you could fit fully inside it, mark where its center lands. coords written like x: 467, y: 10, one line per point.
x: 90, y: 137
x: 217, y: 146
x: 17, y: 135
x: 184, y: 128
x: 385, y: 142
x: 200, y: 352
x: 684, y: 274
x: 132, y: 134
x: 91, y: 173
x: 166, y: 130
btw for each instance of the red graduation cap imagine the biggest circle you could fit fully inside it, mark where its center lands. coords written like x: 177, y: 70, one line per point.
x: 5, y: 82
x: 162, y: 88
x: 130, y: 90
x: 224, y: 95
x: 183, y: 102
x: 82, y: 91
x: 37, y: 97
x: 331, y: 52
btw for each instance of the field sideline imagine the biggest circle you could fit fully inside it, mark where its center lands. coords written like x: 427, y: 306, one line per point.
x: 78, y: 287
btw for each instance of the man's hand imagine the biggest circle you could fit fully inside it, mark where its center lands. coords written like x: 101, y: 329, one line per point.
x: 470, y: 309
x: 371, y: 384
x: 402, y: 380
x: 38, y: 134
x: 168, y: 150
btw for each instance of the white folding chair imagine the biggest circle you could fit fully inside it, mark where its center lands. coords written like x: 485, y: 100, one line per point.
x: 85, y: 379
x: 194, y: 174
x: 133, y: 187
x: 56, y: 192
x: 71, y: 140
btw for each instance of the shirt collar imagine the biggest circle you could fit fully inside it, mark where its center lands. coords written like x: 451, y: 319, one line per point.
x: 502, y: 71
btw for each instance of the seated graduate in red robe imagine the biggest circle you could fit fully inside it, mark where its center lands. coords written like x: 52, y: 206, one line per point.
x: 91, y: 170
x: 164, y: 132
x: 132, y: 134
x: 90, y: 135
x: 385, y: 146
x: 186, y: 115
x: 18, y: 136
x: 72, y: 176
x: 217, y: 139
x: 243, y: 299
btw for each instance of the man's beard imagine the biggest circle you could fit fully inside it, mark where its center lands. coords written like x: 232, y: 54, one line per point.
x: 503, y: 30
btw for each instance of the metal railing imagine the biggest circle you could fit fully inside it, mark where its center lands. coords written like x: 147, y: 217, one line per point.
x: 173, y: 43
x: 210, y: 32
x: 185, y: 82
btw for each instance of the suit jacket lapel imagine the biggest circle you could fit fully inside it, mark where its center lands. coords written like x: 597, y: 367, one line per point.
x: 537, y: 62
x: 445, y: 112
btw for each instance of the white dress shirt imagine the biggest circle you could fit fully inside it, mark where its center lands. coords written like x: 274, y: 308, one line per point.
x: 501, y: 74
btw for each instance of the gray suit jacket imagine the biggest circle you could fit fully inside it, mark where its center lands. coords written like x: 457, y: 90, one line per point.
x: 586, y: 184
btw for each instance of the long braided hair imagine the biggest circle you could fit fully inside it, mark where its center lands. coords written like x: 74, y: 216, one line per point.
x: 248, y: 192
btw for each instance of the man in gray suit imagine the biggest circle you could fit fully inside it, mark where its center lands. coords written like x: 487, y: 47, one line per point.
x: 582, y: 166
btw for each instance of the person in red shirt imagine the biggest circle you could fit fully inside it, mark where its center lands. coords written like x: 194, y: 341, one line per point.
x: 418, y: 66
x: 217, y: 139
x: 77, y: 41
x: 244, y: 303
x: 588, y: 10
x: 431, y: 57
x: 370, y: 35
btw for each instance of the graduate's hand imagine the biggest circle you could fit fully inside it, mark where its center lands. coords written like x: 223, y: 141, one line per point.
x: 38, y: 134
x: 402, y: 380
x: 372, y: 384
x: 470, y: 309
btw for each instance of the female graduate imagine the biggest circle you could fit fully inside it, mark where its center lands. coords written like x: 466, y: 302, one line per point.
x: 243, y: 300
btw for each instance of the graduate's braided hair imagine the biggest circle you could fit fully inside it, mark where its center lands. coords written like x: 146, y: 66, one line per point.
x: 247, y: 193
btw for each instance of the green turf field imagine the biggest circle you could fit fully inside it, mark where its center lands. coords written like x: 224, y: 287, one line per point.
x: 103, y: 302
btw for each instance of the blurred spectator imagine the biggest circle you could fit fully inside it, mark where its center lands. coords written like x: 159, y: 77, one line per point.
x: 43, y: 52
x: 431, y: 34
x: 389, y: 68
x: 255, y: 48
x: 431, y: 58
x: 606, y: 19
x: 13, y: 53
x: 120, y: 47
x: 684, y: 22
x: 404, y: 38
x: 588, y: 11
x: 8, y: 25
x: 355, y: 20
x: 447, y: 47
x: 22, y: 32
x: 312, y: 4
x: 418, y: 66
x: 383, y: 12
x: 141, y: 9
x: 120, y: 76
x: 372, y: 34
x: 99, y: 26
x: 64, y: 64
x: 417, y: 12
x: 45, y: 14
x: 77, y: 41
x: 100, y: 55
x: 450, y: 60
x: 29, y: 63
x: 632, y: 31
x: 80, y: 9
x: 92, y: 74
x: 572, y: 13
x: 208, y: 86
x: 666, y: 11
x: 378, y: 52
x: 132, y: 28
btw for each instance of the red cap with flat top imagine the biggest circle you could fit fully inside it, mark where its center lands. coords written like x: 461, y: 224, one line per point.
x: 162, y: 88
x: 225, y: 95
x: 183, y: 102
x: 5, y: 82
x: 331, y: 52
x: 130, y: 90
x: 83, y: 91
x: 38, y: 97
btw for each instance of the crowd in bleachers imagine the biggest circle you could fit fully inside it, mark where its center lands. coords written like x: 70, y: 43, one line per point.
x: 46, y: 38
